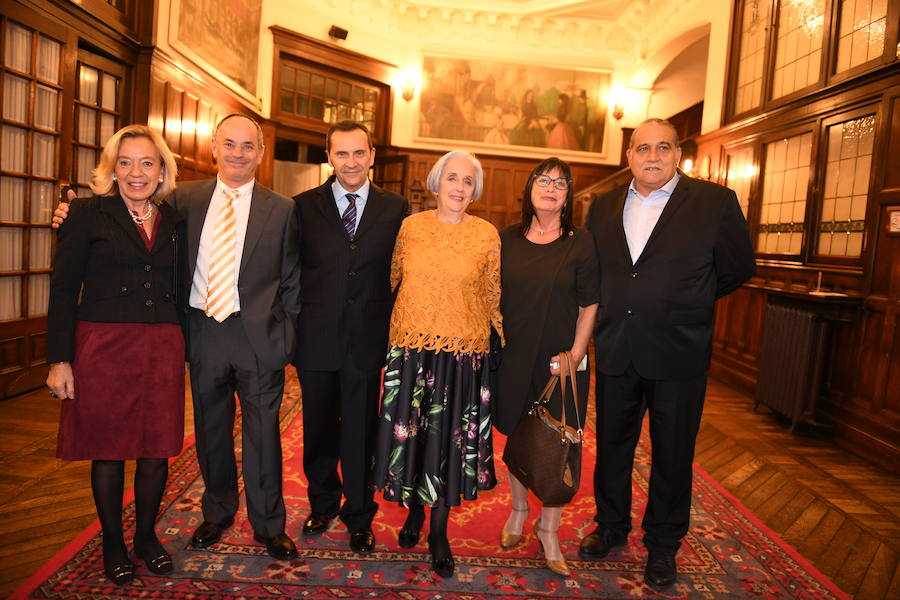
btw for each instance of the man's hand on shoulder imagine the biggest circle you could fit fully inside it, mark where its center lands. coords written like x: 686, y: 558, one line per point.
x: 62, y: 210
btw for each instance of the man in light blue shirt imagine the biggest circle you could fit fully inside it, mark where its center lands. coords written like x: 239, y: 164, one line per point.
x: 668, y: 246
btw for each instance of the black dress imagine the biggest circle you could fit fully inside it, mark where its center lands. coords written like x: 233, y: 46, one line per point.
x: 543, y: 286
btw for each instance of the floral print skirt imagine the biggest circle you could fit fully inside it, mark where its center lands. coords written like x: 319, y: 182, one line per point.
x: 434, y: 432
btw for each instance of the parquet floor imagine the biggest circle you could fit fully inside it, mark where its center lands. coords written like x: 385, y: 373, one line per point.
x: 840, y: 512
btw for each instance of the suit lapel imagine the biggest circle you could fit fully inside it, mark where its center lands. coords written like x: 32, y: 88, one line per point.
x: 674, y: 203
x: 115, y: 207
x: 621, y: 240
x: 259, y: 214
x: 198, y: 203
x: 328, y: 207
x: 374, y: 208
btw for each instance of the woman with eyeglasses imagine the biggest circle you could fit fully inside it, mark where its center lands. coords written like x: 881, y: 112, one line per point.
x: 550, y: 291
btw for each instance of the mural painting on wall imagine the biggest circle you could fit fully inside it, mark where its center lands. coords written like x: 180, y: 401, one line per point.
x: 511, y: 104
x: 225, y: 34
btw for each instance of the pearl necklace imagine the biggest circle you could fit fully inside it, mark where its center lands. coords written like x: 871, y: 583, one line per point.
x: 140, y: 219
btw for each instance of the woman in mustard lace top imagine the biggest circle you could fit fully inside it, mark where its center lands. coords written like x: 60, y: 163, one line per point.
x: 434, y: 433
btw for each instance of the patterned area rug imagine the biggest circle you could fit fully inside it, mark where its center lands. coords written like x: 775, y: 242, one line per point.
x: 727, y: 554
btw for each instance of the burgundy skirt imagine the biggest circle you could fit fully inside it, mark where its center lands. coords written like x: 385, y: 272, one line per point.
x: 129, y: 393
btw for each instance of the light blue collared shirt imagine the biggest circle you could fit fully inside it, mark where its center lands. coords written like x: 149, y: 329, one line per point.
x: 641, y: 213
x: 340, y: 197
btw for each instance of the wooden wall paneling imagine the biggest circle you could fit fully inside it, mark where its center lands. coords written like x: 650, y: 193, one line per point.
x: 265, y: 174
x: 206, y: 123
x: 189, y: 107
x: 889, y: 398
x: 172, y: 118
x: 889, y: 350
x: 737, y: 338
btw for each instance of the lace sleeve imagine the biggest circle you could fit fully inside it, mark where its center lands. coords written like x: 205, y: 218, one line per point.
x: 397, y: 259
x: 492, y: 287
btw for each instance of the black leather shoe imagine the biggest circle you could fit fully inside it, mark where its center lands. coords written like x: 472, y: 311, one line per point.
x: 660, y: 571
x: 362, y: 541
x: 209, y: 533
x: 599, y: 543
x: 317, y: 523
x: 279, y: 547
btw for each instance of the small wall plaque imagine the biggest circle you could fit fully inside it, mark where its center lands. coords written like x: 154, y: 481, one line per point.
x: 894, y: 221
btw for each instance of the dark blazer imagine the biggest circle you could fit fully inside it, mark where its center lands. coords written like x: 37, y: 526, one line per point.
x: 346, y: 283
x: 658, y: 313
x: 269, y: 278
x: 99, y: 247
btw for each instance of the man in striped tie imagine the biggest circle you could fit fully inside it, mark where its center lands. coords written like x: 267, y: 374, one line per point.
x: 244, y: 301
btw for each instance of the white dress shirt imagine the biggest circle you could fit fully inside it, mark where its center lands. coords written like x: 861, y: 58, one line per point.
x: 641, y: 213
x: 199, y: 285
x: 340, y: 197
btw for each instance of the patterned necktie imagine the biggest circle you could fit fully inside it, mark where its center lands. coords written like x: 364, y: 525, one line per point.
x: 220, y: 283
x: 349, y: 216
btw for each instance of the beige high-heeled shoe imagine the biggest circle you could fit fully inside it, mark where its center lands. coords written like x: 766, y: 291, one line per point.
x: 511, y: 540
x: 557, y: 566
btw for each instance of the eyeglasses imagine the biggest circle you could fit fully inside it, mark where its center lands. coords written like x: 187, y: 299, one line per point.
x: 544, y: 181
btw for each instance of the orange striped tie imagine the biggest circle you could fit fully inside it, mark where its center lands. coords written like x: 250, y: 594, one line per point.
x: 220, y: 283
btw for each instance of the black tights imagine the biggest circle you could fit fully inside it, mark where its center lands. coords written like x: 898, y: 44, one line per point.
x: 108, y: 486
x: 437, y: 531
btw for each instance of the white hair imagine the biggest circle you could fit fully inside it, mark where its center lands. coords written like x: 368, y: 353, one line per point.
x: 437, y: 172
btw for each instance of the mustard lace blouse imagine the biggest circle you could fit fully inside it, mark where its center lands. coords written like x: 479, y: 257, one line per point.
x: 449, y: 278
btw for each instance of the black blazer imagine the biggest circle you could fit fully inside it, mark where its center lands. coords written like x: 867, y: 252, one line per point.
x: 346, y: 297
x: 658, y: 313
x: 99, y: 247
x: 269, y: 276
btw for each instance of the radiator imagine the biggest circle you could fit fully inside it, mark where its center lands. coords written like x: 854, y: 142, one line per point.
x: 792, y: 362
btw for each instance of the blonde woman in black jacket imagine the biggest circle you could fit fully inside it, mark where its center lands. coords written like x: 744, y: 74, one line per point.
x: 117, y: 356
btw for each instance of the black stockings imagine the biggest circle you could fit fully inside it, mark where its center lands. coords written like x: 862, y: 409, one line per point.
x: 108, y: 484
x: 149, y: 484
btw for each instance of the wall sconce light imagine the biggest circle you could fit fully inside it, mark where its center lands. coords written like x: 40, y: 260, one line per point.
x: 618, y: 98
x: 408, y: 80
x: 687, y: 166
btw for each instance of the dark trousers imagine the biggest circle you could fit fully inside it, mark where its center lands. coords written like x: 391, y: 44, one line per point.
x: 675, y: 409
x: 222, y: 364
x: 340, y: 412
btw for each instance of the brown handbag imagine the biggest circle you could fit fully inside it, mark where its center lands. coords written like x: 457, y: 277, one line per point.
x: 543, y: 453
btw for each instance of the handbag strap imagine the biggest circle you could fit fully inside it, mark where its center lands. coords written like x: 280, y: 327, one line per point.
x: 574, y: 383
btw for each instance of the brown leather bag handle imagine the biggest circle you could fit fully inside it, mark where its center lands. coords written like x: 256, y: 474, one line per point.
x: 551, y: 385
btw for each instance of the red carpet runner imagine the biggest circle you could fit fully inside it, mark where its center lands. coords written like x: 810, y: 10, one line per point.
x: 727, y: 554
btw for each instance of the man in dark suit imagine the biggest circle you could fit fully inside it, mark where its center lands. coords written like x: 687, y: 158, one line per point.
x: 240, y: 340
x: 349, y: 226
x: 668, y: 247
